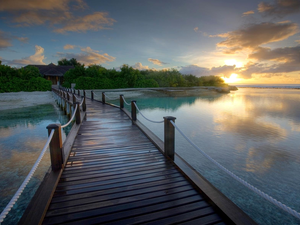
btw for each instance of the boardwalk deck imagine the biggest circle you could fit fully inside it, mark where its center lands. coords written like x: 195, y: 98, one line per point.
x: 116, y: 175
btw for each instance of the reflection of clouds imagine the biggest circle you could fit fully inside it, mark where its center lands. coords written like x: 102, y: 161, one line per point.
x: 274, y: 105
x: 261, y: 159
x: 295, y: 126
x: 5, y: 132
x: 14, y: 176
x: 249, y: 128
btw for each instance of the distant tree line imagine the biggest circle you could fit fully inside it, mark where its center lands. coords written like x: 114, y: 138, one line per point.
x: 23, y: 79
x: 98, y: 77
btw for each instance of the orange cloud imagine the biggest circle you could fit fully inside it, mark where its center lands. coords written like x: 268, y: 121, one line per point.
x: 156, y: 62
x: 69, y: 46
x: 88, y: 56
x: 248, y: 13
x: 17, y: 5
x: 56, y: 13
x: 37, y: 58
x: 255, y: 35
x: 96, y: 21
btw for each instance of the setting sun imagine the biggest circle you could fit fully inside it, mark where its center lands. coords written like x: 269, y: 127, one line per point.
x: 232, y: 79
x: 231, y: 62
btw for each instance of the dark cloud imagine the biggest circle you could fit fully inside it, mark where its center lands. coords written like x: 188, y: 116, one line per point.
x: 7, y: 38
x: 287, y: 59
x: 255, y: 35
x: 279, y: 8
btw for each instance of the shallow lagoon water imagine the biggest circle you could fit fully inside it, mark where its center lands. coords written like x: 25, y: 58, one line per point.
x: 252, y: 132
x: 23, y: 135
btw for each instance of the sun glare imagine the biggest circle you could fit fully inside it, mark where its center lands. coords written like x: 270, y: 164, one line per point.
x: 231, y: 62
x: 232, y: 79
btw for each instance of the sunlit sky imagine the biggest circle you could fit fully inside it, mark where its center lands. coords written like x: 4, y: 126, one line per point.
x: 244, y: 41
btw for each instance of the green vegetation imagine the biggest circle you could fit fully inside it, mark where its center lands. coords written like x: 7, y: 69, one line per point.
x: 24, y: 79
x: 98, y: 77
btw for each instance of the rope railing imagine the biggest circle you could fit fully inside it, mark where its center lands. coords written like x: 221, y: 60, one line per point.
x: 82, y: 100
x: 72, y: 118
x: 146, y: 117
x: 107, y: 96
x: 125, y: 101
x: 251, y: 187
x: 25, y: 182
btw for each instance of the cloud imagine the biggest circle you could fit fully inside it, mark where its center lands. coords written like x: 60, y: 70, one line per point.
x: 198, y: 71
x: 196, y: 29
x: 69, y: 46
x: 255, y: 35
x: 298, y: 41
x: 157, y: 62
x: 139, y: 66
x: 6, y: 39
x: 19, y: 5
x: 56, y: 13
x: 96, y: 21
x: 287, y: 59
x: 248, y: 13
x: 39, y: 18
x: 279, y: 8
x: 23, y: 39
x: 88, y: 56
x: 35, y: 59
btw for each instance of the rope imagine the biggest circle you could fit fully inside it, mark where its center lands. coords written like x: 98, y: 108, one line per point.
x: 25, y: 182
x: 145, y: 117
x: 81, y: 102
x: 254, y: 189
x: 63, y: 126
x: 125, y: 101
x: 107, y: 96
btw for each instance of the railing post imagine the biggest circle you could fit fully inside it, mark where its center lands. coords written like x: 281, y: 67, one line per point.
x: 83, y: 104
x: 133, y: 111
x: 70, y: 111
x: 169, y: 137
x: 92, y: 95
x: 55, y: 147
x: 65, y: 107
x: 74, y: 100
x: 77, y: 115
x: 103, y: 97
x: 78, y: 92
x: 121, y: 102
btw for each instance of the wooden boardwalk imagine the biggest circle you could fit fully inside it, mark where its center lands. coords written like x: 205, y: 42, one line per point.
x: 115, y: 175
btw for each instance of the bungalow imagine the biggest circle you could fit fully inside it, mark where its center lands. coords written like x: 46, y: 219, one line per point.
x: 53, y: 72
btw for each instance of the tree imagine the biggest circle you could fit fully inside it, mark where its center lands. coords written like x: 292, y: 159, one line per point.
x: 71, y: 62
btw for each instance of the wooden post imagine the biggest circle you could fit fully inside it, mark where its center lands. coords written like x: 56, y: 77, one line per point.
x: 133, y: 111
x: 78, y: 92
x: 74, y: 100
x: 55, y: 147
x: 84, y: 104
x: 65, y: 107
x: 70, y: 111
x: 77, y: 115
x: 92, y: 95
x: 169, y: 137
x: 103, y: 97
x: 84, y: 93
x: 121, y: 102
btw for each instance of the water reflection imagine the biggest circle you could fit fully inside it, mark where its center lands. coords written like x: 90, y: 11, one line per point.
x: 249, y: 127
x: 254, y: 133
x: 23, y: 135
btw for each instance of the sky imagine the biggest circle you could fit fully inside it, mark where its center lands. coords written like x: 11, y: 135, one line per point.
x: 243, y: 41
